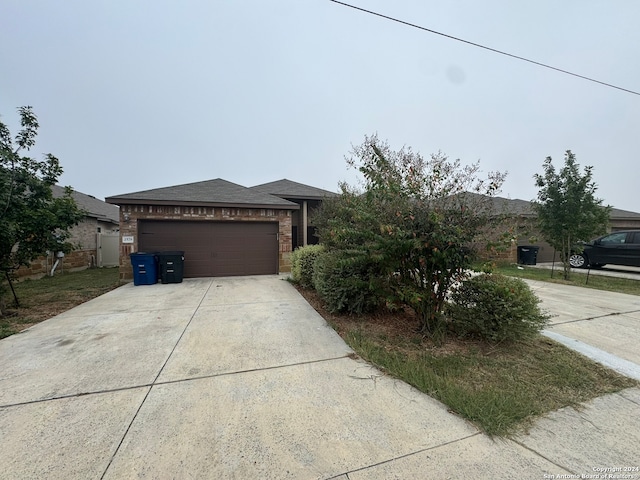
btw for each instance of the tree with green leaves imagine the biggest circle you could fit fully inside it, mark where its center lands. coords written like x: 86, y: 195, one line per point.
x: 567, y: 208
x: 32, y: 221
x: 412, y: 224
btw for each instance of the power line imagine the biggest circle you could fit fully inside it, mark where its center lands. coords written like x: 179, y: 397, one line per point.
x: 413, y: 25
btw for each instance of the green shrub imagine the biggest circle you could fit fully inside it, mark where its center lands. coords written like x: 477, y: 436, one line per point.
x: 303, y: 261
x: 495, y: 308
x: 346, y: 283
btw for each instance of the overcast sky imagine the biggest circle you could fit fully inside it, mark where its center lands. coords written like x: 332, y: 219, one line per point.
x: 140, y: 94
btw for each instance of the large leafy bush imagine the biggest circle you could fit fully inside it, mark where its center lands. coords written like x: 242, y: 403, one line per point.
x: 495, y: 308
x: 411, y: 224
x: 303, y: 261
x: 347, y: 283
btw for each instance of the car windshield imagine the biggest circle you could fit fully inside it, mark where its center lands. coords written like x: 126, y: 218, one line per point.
x: 613, y: 239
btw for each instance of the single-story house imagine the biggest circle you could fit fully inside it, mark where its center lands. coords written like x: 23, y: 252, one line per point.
x: 225, y: 229
x: 524, y: 226
x: 95, y: 238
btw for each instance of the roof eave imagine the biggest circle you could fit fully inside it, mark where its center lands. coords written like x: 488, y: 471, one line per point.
x: 100, y: 218
x: 303, y: 197
x: 178, y: 203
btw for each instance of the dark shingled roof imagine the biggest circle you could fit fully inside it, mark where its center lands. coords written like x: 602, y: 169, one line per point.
x: 287, y: 189
x: 525, y: 209
x: 498, y: 205
x: 624, y: 214
x: 211, y: 193
x: 514, y: 206
x: 91, y: 205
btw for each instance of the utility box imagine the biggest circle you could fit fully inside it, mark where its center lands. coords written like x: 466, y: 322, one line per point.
x: 171, y: 266
x: 528, y: 254
x: 144, y: 268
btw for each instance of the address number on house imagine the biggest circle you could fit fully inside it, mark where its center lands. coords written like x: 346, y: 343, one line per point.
x: 127, y: 239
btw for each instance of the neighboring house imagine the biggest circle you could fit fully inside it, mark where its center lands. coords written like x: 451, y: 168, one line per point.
x: 525, y: 231
x: 95, y: 238
x: 224, y: 229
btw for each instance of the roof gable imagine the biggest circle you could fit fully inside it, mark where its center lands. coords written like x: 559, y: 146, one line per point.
x: 216, y: 192
x: 288, y: 189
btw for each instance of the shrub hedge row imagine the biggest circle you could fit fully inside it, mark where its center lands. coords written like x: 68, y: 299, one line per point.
x: 491, y: 307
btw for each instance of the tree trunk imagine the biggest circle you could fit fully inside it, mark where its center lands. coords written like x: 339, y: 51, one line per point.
x: 566, y: 253
x: 15, y: 297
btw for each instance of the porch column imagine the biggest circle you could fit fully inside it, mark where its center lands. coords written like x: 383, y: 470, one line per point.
x: 304, y: 223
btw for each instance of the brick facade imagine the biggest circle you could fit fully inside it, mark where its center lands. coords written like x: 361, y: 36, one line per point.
x: 83, y: 235
x: 131, y: 214
x: 72, y: 262
x: 503, y: 255
x: 84, y: 255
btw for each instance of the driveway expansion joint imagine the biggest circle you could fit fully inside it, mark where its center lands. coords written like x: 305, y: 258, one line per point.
x: 597, y: 317
x: 535, y: 452
x: 400, y: 457
x: 76, y: 395
x: 169, y: 382
x: 627, y: 398
x: 250, y: 370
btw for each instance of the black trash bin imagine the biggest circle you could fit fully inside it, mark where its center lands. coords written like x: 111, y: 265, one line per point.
x: 145, y: 270
x: 170, y: 266
x: 527, y: 254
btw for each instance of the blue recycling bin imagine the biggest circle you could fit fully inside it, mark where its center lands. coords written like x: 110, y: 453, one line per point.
x: 145, y: 269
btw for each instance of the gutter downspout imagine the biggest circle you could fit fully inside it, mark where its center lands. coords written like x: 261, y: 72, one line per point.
x: 59, y: 256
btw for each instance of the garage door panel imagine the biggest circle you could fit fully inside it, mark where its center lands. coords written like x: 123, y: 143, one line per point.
x: 244, y: 247
x: 197, y: 261
x: 216, y: 248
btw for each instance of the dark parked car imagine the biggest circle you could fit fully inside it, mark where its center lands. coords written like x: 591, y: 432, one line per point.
x: 618, y: 248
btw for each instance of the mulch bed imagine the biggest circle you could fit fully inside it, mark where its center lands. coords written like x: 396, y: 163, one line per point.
x: 400, y: 328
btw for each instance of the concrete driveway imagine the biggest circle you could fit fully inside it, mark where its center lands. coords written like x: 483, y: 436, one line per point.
x: 602, y: 325
x: 241, y: 378
x: 620, y: 271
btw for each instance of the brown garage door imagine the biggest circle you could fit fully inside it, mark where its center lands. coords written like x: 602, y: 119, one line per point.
x: 215, y: 249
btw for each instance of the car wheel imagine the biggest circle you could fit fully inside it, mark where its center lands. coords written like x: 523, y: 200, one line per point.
x: 578, y: 260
